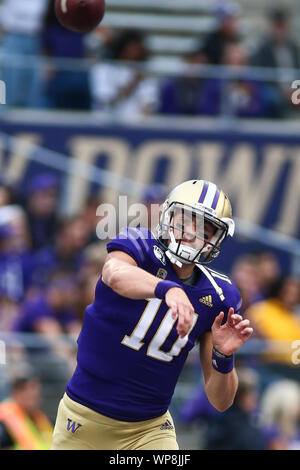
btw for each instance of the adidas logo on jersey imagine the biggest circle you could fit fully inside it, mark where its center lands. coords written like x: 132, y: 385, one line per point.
x: 206, y: 300
x: 167, y: 425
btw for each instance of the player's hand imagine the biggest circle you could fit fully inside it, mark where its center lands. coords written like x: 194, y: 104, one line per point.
x: 228, y: 338
x: 182, y: 309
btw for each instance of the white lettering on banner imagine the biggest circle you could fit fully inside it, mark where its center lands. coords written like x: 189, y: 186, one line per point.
x: 249, y: 179
x: 178, y: 153
x: 86, y: 150
x: 248, y: 187
x: 16, y: 165
x: 209, y: 156
x: 289, y: 212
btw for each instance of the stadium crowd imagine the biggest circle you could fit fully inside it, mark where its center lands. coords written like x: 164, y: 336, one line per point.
x: 113, y: 79
x: 49, y: 265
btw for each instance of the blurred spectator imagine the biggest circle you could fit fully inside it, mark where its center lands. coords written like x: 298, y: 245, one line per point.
x: 275, y: 319
x: 99, y: 42
x: 94, y: 257
x: 7, y: 195
x: 13, y: 221
x: 227, y: 16
x: 253, y: 274
x: 23, y: 426
x: 15, y: 255
x: 88, y: 276
x: 87, y: 286
x: 243, y: 97
x: 244, y: 275
x: 279, y: 51
x: 198, y: 408
x: 237, y: 428
x: 280, y: 415
x: 65, y: 88
x: 267, y: 271
x: 118, y: 86
x: 48, y: 325
x: 67, y: 253
x: 22, y: 23
x: 181, y: 95
x: 41, y: 208
x: 90, y: 217
x: 9, y: 311
x: 52, y: 312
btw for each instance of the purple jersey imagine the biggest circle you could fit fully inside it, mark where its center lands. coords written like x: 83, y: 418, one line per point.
x: 129, y: 353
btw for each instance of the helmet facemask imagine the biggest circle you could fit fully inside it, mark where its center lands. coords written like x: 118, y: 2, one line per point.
x: 189, y: 234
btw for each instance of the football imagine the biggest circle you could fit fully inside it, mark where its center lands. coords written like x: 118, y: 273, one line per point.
x: 80, y: 16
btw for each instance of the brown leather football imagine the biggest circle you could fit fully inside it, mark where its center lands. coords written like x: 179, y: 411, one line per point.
x: 81, y: 16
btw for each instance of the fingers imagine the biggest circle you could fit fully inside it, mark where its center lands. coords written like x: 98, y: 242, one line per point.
x: 182, y: 310
x: 185, y: 314
x: 236, y: 318
x: 242, y: 324
x: 218, y: 320
x: 247, y: 332
x: 174, y: 308
x: 233, y: 318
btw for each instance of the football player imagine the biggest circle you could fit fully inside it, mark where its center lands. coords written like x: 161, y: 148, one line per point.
x: 155, y: 299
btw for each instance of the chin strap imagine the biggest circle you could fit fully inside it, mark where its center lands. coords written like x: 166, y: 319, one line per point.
x: 217, y: 288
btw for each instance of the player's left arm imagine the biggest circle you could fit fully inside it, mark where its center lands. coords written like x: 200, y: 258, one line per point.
x: 220, y: 379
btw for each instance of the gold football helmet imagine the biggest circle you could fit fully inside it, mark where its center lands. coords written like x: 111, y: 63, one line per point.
x: 195, y: 220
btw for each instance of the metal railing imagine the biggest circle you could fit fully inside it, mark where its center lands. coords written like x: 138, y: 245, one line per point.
x: 253, y: 347
x: 162, y: 70
x: 278, y: 75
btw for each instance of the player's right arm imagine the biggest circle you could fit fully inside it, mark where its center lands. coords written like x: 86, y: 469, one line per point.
x: 123, y: 276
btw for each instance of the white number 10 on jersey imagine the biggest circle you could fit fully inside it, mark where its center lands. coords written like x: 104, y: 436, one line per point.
x: 135, y: 340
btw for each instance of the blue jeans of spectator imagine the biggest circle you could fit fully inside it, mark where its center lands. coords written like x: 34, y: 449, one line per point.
x: 23, y: 82
x: 69, y: 90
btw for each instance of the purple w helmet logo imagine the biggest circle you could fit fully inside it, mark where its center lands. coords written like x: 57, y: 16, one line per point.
x: 72, y: 425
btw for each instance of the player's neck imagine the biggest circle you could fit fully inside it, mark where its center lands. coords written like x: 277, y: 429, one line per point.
x: 185, y: 271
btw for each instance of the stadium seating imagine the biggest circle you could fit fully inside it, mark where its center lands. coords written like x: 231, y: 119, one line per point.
x: 174, y: 27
